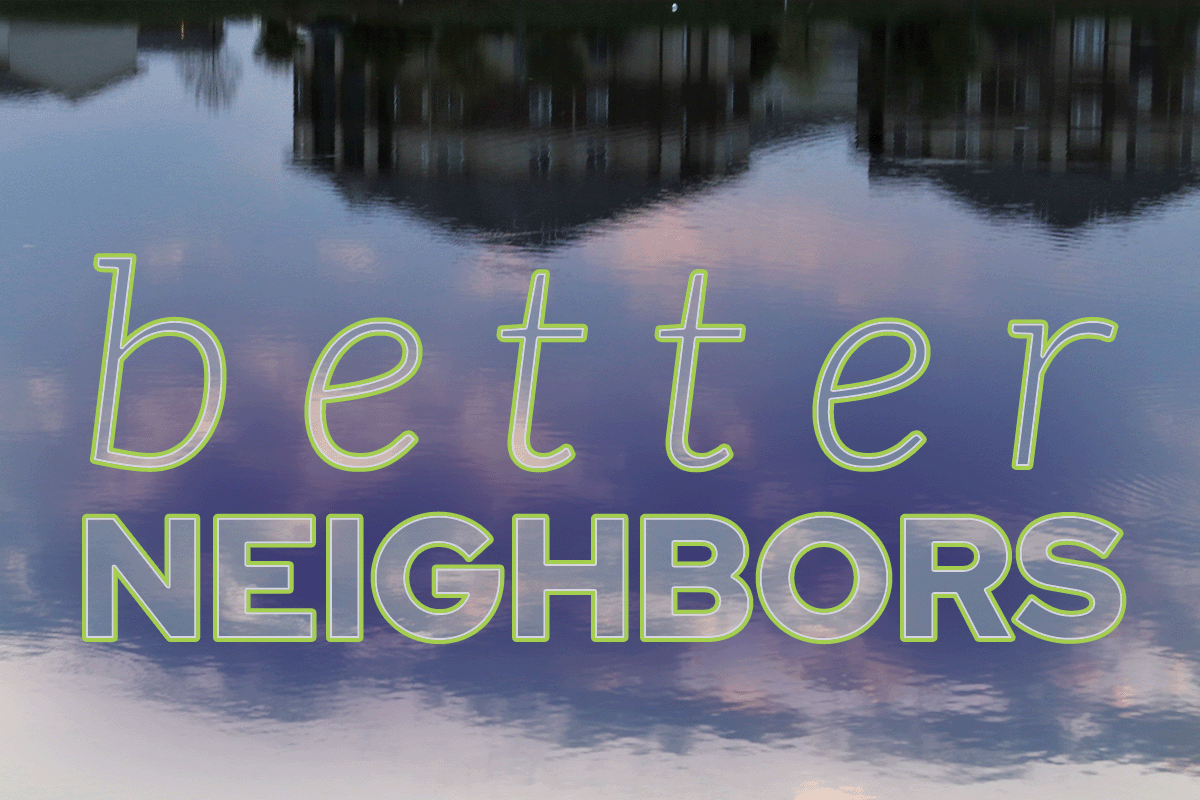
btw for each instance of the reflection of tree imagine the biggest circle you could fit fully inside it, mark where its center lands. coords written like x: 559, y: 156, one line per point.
x: 552, y: 58
x: 802, y: 52
x: 932, y: 59
x: 213, y: 75
x: 460, y: 60
x: 384, y: 44
x: 764, y: 48
x: 276, y: 46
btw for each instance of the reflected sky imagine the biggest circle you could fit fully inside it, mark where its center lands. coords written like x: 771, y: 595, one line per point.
x: 282, y: 178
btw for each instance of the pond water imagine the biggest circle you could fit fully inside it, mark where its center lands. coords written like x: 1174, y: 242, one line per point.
x: 283, y: 172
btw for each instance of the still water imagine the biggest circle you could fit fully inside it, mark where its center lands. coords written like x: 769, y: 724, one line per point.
x: 281, y: 175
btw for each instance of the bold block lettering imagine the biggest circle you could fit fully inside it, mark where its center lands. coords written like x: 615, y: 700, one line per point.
x: 1038, y: 356
x: 530, y: 335
x: 689, y: 333
x: 170, y: 596
x: 829, y: 393
x: 1043, y: 568
x: 924, y: 580
x: 237, y: 578
x: 776, y: 578
x: 604, y: 578
x: 120, y: 345
x: 665, y: 576
x: 321, y: 392
x: 478, y: 587
x: 344, y: 578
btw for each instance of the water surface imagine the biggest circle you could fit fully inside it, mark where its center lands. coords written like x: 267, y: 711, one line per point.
x: 283, y: 174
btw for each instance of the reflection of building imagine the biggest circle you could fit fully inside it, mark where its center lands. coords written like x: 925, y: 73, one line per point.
x: 70, y: 59
x: 519, y: 133
x: 677, y: 99
x: 1084, y: 91
x: 814, y: 79
x: 531, y: 134
x: 1037, y: 119
x: 76, y: 60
